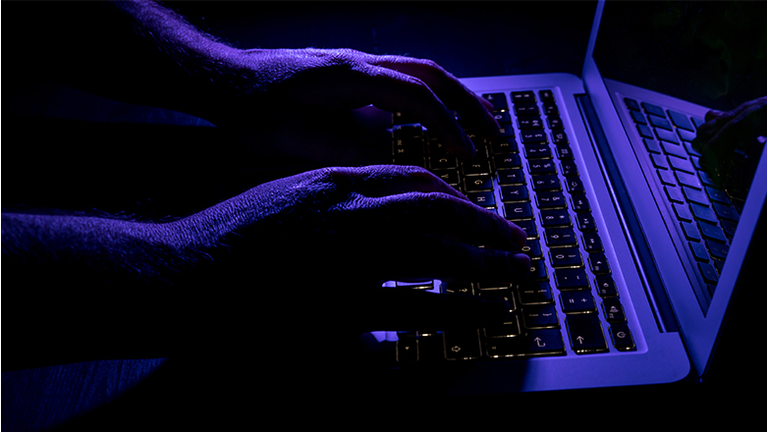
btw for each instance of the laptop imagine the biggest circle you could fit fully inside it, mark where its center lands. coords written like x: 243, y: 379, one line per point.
x: 635, y: 249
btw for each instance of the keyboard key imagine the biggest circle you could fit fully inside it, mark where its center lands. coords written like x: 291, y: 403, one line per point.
x: 680, y: 120
x: 717, y: 250
x: 665, y: 135
x: 564, y: 152
x: 522, y: 110
x: 529, y: 227
x: 704, y: 213
x: 555, y: 122
x: 568, y: 168
x: 507, y: 329
x: 538, y: 271
x: 586, y: 222
x: 599, y: 264
x: 462, y: 345
x: 653, y: 109
x: 580, y: 203
x: 586, y: 333
x: 449, y: 176
x: 632, y: 104
x: 530, y: 123
x: 652, y: 145
x: 476, y: 167
x: 659, y: 161
x: 726, y: 211
x: 502, y: 118
x: 535, y: 293
x: 690, y: 231
x: 592, y: 242
x: 606, y: 287
x: 711, y: 232
x: 555, y: 218
x: 546, y: 95
x: 547, y: 182
x: 614, y: 311
x: 407, y: 350
x: 689, y: 180
x: 622, y: 337
x: 699, y: 252
x: 571, y: 279
x: 550, y: 200
x: 638, y: 117
x: 444, y: 162
x: 577, y: 302
x: 478, y: 183
x: 559, y: 137
x: 565, y: 258
x: 532, y: 343
x: 717, y: 195
x: 518, y: 211
x: 708, y: 273
x: 674, y: 195
x: 660, y: 122
x: 537, y: 151
x: 509, y: 160
x: 695, y: 196
x: 544, y: 166
x: 511, y: 177
x: 559, y: 237
x: 514, y: 193
x: 483, y: 199
x: 499, y: 101
x: 534, y: 137
x: 681, y: 210
x: 645, y: 131
x: 544, y: 316
x: 684, y: 165
x: 575, y: 186
x: 503, y: 145
x: 523, y: 97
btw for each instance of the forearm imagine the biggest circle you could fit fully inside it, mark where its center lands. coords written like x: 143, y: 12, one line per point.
x: 82, y: 288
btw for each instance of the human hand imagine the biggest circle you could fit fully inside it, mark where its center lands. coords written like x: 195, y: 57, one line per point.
x: 730, y: 144
x: 321, y: 243
x: 297, y: 85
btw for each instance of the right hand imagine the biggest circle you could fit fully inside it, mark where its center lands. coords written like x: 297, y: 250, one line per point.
x: 335, y: 234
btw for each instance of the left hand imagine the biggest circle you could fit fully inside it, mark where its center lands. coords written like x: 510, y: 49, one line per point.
x: 298, y: 85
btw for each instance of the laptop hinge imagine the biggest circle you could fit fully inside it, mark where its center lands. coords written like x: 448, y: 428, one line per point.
x: 635, y: 236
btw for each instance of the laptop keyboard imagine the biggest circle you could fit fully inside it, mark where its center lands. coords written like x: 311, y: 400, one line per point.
x: 527, y: 174
x: 706, y: 216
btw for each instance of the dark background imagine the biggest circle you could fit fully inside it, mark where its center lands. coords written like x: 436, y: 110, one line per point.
x: 468, y: 39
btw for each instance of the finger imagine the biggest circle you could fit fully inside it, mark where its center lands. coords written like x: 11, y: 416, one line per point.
x: 475, y: 111
x: 391, y: 309
x: 384, y: 180
x: 435, y: 213
x: 433, y: 257
x: 394, y: 91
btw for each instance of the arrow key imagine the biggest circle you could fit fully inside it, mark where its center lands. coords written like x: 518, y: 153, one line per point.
x: 461, y: 345
x: 586, y: 333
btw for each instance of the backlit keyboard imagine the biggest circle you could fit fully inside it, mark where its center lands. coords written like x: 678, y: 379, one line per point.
x: 569, y: 304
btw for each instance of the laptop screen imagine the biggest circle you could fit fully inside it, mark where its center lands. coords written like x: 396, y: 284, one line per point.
x: 709, y: 53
